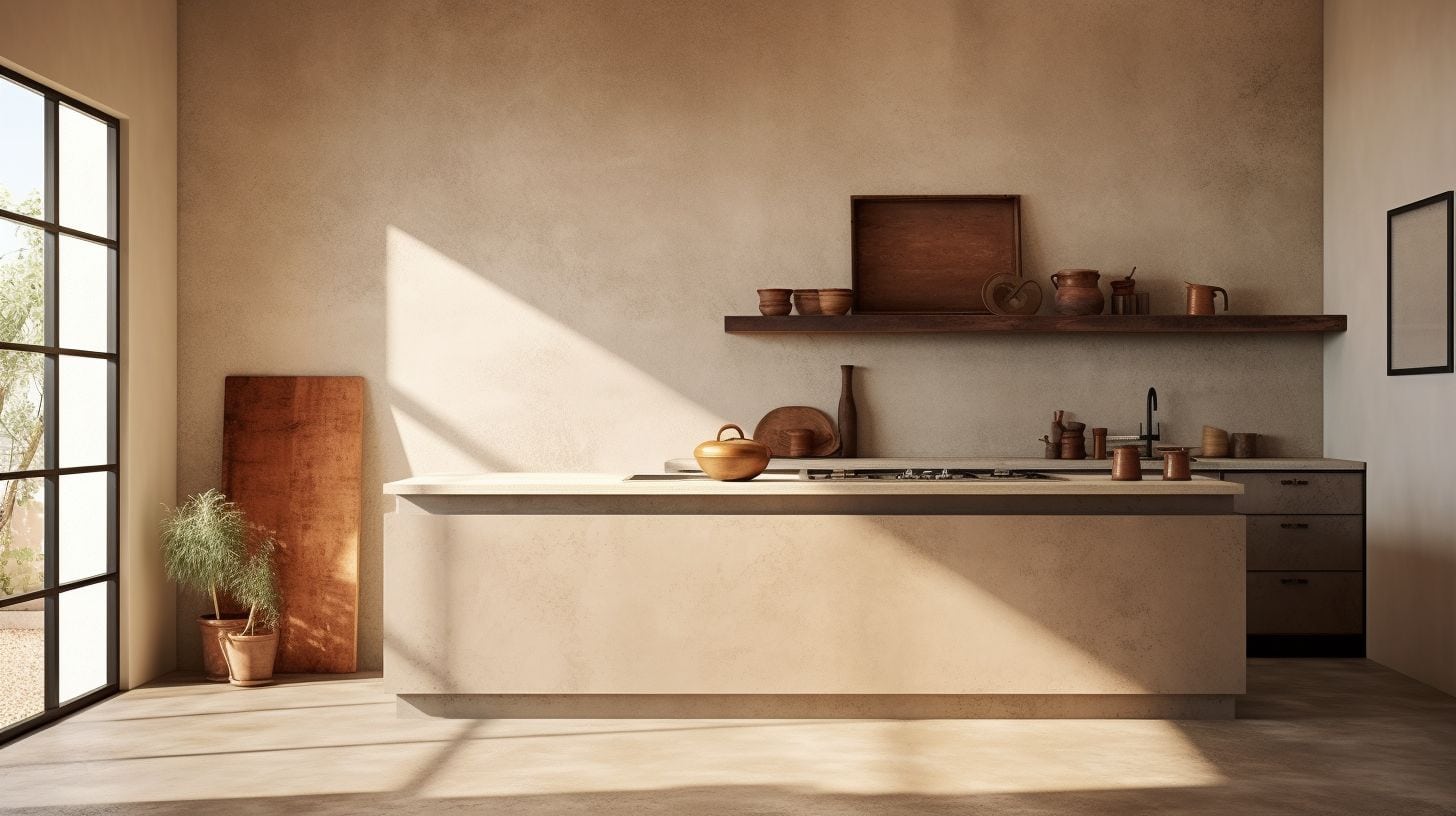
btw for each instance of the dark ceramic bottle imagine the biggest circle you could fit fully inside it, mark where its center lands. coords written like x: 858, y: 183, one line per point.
x: 848, y: 416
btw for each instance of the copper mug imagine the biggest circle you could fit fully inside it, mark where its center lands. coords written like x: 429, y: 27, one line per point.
x: 1175, y: 465
x: 1200, y: 298
x: 1127, y: 464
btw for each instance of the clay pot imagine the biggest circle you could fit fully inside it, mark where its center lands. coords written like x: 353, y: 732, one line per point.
x: 732, y: 460
x: 1244, y: 445
x: 774, y: 302
x: 806, y: 301
x: 835, y: 301
x: 249, y: 657
x: 214, y: 665
x: 1077, y: 292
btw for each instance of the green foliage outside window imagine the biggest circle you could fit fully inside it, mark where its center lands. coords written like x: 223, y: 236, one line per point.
x: 22, y: 314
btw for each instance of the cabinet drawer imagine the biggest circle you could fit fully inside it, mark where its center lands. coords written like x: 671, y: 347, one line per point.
x: 1306, y: 542
x: 1295, y: 492
x: 1306, y: 603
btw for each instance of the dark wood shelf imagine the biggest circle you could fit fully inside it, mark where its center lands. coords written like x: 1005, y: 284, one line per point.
x: 1043, y: 324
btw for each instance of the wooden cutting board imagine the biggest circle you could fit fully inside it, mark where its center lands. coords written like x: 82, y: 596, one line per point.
x: 293, y: 460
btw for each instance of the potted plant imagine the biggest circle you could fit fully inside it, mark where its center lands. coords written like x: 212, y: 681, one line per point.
x: 250, y: 651
x: 203, y: 542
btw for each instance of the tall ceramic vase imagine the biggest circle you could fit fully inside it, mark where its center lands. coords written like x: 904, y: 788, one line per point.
x: 848, y: 416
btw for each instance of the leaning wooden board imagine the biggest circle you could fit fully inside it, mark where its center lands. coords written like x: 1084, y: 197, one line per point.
x: 293, y: 450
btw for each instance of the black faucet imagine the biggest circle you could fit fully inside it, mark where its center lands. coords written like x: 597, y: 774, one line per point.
x: 1149, y: 435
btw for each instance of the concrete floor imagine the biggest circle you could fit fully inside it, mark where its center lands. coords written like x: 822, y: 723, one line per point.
x: 1314, y: 736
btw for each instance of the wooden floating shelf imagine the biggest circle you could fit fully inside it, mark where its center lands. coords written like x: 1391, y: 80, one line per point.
x: 1037, y: 324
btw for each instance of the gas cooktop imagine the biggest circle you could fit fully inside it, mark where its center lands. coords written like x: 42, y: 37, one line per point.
x: 930, y: 475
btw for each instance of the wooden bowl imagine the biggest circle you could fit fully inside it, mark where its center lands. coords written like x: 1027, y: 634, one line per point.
x: 806, y: 301
x: 836, y: 301
x: 774, y: 302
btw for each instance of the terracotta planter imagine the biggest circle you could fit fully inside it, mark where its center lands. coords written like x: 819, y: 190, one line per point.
x: 213, y: 663
x: 250, y: 657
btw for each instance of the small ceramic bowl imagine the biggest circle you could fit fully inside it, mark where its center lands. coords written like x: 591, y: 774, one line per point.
x: 836, y: 301
x: 806, y: 301
x: 774, y: 302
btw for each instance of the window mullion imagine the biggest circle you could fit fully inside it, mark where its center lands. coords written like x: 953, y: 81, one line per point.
x: 50, y: 411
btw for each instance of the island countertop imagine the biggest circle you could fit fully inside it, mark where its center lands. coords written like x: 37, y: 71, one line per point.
x: 790, y: 484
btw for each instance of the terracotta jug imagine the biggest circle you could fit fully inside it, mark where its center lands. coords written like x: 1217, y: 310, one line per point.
x: 1077, y: 292
x: 1200, y: 298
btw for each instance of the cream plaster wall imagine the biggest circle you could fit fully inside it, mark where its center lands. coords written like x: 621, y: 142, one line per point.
x: 523, y: 222
x: 121, y: 56
x: 1390, y: 139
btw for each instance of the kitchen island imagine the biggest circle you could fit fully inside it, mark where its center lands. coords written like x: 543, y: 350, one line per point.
x: 671, y: 595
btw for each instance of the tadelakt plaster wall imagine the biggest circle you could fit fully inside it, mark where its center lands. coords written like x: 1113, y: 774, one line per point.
x: 1390, y: 139
x: 523, y: 222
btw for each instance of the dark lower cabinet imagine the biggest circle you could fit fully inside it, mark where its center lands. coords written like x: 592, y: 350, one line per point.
x: 1306, y: 545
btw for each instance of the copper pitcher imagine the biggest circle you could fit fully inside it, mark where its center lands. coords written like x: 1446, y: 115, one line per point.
x: 1200, y: 298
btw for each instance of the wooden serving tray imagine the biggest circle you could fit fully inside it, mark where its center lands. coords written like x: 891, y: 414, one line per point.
x: 931, y: 254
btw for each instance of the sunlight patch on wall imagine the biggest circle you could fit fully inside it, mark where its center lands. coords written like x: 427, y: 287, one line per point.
x: 482, y: 380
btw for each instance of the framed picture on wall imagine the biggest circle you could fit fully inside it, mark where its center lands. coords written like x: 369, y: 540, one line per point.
x: 1418, y: 269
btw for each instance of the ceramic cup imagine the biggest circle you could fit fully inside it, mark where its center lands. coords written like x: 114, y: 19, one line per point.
x: 1245, y: 445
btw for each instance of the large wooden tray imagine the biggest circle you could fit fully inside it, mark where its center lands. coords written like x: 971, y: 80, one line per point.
x: 931, y: 254
x: 293, y: 450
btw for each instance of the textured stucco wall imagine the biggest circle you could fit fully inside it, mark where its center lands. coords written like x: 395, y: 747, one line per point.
x: 121, y: 56
x: 1390, y: 139
x: 523, y: 222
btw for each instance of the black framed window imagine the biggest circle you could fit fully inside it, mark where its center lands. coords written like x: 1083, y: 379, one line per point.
x: 59, y: 360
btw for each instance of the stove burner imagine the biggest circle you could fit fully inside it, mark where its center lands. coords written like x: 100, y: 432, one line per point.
x: 926, y: 475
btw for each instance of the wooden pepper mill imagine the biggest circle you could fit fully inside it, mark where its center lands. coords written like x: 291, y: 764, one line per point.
x: 1054, y: 444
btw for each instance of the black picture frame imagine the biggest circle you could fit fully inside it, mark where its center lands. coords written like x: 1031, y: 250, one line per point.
x: 1449, y: 201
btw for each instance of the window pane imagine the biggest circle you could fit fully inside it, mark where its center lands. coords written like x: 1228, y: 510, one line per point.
x: 22, y: 439
x: 85, y: 296
x: 83, y: 401
x: 84, y: 508
x: 22, y: 661
x: 22, y: 536
x: 22, y: 283
x: 82, y: 172
x: 83, y: 616
x: 22, y: 149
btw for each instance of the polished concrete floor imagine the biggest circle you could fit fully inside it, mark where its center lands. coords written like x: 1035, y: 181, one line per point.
x: 1313, y: 736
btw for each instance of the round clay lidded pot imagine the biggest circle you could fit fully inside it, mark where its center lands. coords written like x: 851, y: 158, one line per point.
x: 732, y: 460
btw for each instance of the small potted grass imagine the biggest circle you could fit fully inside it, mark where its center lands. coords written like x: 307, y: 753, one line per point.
x: 254, y: 583
x: 203, y: 540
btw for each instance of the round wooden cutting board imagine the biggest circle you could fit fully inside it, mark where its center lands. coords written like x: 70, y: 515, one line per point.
x: 773, y: 429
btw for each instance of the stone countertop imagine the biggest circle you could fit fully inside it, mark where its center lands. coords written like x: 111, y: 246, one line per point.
x: 688, y: 465
x: 786, y: 484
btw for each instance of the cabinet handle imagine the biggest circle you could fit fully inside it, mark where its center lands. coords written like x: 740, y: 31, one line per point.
x: 1294, y: 581
x: 1294, y: 525
x: 1294, y: 482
